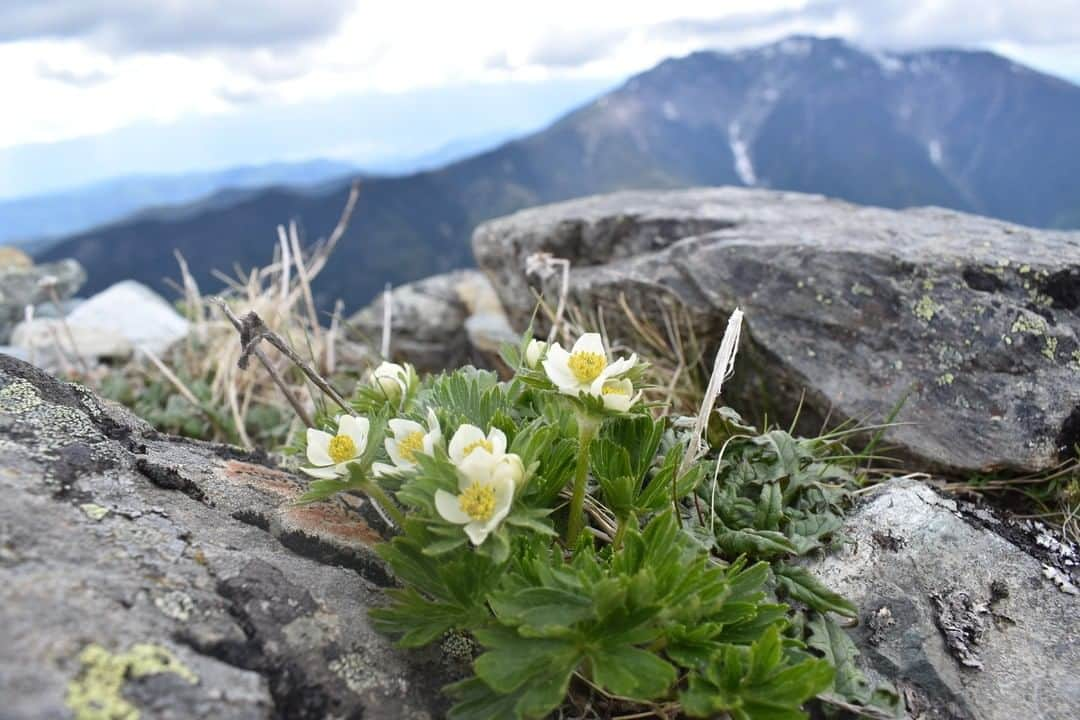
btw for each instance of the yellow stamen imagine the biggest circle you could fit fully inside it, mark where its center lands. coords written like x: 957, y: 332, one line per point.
x: 478, y: 501
x: 587, y: 366
x: 482, y: 443
x: 616, y: 388
x: 341, y: 448
x: 409, y: 445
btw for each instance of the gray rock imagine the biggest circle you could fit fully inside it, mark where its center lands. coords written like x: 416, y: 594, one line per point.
x: 440, y: 322
x: 22, y: 285
x: 966, y: 623
x: 52, y: 344
x: 134, y: 312
x: 173, y: 578
x: 975, y: 321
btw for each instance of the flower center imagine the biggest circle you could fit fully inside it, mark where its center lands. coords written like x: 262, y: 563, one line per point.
x: 587, y: 366
x: 482, y: 443
x: 478, y: 501
x: 615, y: 388
x: 409, y: 445
x: 341, y: 448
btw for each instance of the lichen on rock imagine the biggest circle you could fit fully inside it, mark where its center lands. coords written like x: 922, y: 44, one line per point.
x: 96, y: 693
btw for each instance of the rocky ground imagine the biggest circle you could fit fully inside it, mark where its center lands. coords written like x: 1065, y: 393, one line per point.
x: 143, y: 575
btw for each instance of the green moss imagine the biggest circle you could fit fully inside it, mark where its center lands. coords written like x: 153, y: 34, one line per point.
x: 946, y: 379
x: 1076, y: 358
x: 926, y: 308
x: 860, y: 289
x: 96, y: 694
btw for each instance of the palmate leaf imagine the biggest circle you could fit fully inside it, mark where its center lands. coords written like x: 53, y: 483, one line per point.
x: 756, y: 683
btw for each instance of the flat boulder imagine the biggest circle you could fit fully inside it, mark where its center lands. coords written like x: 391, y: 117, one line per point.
x: 970, y: 616
x: 972, y: 323
x: 145, y: 575
x: 132, y: 311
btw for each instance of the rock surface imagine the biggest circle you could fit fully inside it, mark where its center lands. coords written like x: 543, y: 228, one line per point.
x: 975, y: 321
x: 133, y: 311
x: 52, y: 343
x: 151, y: 575
x: 22, y: 285
x: 440, y: 322
x: 964, y: 622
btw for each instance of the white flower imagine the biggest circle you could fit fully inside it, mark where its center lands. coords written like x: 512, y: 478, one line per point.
x: 391, y: 378
x: 330, y: 454
x: 585, y: 369
x: 618, y: 394
x: 409, y: 438
x: 535, y: 350
x: 470, y: 440
x: 487, y: 491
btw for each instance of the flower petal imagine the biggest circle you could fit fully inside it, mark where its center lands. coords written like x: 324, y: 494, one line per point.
x: 466, y: 435
x: 476, y: 467
x: 557, y: 368
x: 497, y: 438
x: 318, y: 447
x: 620, y: 367
x: 591, y: 343
x: 322, y: 473
x: 383, y: 470
x: 356, y: 428
x: 478, y: 531
x: 402, y: 427
x: 450, y: 508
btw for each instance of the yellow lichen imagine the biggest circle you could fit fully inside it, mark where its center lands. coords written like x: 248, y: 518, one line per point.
x: 94, y: 511
x: 926, y: 308
x: 1029, y: 325
x: 96, y: 694
x: 946, y: 379
x: 1050, y: 349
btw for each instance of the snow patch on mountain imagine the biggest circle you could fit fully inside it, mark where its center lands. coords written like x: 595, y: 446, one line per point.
x: 933, y: 149
x: 744, y: 166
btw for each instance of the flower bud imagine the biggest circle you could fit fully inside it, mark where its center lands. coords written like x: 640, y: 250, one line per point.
x: 533, y: 352
x: 391, y: 378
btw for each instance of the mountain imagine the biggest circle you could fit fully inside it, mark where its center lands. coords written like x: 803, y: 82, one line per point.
x: 30, y: 222
x: 961, y: 129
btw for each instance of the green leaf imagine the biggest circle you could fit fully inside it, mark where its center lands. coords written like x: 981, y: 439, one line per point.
x: 631, y: 672
x: 770, y: 509
x: 801, y: 584
x: 839, y: 651
x: 756, y: 543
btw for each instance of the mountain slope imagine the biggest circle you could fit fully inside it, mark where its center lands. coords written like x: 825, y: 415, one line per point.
x: 31, y: 221
x: 968, y: 130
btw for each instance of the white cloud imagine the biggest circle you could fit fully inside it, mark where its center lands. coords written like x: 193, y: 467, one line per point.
x: 157, y: 61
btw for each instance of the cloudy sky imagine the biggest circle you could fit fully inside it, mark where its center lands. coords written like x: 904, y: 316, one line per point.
x: 107, y: 87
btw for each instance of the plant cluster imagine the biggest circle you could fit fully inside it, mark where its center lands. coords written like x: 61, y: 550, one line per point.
x: 593, y: 555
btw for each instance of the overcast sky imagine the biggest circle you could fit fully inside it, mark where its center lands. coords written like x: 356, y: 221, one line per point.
x: 84, y: 70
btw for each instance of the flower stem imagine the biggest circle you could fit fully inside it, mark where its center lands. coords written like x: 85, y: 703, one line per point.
x: 377, y: 494
x: 587, y: 427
